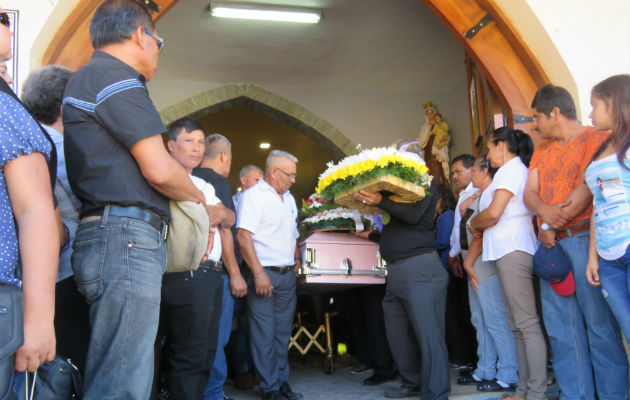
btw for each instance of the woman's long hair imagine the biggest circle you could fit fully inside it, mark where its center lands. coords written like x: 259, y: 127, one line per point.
x: 616, y: 91
x: 517, y: 142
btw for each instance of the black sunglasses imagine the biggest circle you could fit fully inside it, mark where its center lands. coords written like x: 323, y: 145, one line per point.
x: 4, y: 19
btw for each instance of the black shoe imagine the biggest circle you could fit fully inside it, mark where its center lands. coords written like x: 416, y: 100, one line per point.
x: 226, y: 397
x: 360, y: 368
x: 493, y: 386
x: 402, y: 392
x: 377, y: 379
x: 469, y: 380
x: 273, y: 395
x: 286, y: 391
x: 244, y: 381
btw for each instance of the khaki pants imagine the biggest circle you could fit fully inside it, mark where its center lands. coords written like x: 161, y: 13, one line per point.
x: 516, y: 277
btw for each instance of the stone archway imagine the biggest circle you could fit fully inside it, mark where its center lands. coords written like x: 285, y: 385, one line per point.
x: 267, y: 103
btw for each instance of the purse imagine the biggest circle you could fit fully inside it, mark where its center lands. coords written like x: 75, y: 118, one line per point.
x: 58, y: 379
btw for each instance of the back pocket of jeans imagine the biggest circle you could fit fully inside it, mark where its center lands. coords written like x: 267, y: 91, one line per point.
x: 88, y: 259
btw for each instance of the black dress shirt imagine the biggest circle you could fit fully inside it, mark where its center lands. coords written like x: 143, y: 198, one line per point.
x: 410, y: 231
x: 223, y: 191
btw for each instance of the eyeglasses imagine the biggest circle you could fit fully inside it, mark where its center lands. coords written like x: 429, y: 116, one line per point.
x: 159, y: 40
x: 290, y: 176
x: 4, y: 19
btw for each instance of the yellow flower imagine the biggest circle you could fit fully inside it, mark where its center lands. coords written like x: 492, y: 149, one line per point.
x: 362, y: 167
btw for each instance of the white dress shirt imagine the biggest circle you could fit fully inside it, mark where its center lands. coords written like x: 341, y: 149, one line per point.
x: 455, y: 244
x: 272, y: 221
x: 211, y: 200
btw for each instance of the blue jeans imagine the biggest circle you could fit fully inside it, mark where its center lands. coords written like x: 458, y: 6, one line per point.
x: 118, y: 264
x: 585, y: 340
x: 218, y: 373
x: 496, y: 347
x: 615, y: 279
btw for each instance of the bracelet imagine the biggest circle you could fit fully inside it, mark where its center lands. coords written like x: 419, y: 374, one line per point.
x: 259, y: 275
x: 297, y: 258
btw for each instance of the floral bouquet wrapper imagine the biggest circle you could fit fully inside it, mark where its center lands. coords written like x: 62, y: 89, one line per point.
x: 337, y: 219
x: 402, y: 174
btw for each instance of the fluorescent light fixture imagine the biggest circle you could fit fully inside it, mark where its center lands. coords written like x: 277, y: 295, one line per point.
x: 264, y: 145
x: 265, y: 12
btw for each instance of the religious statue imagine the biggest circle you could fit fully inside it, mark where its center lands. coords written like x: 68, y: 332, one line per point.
x: 434, y: 140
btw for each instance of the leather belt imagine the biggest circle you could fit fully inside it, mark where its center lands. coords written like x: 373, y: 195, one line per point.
x: 212, y: 265
x: 138, y: 213
x: 281, y: 270
x: 573, y: 230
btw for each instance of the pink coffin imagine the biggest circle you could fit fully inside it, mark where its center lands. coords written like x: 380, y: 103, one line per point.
x: 340, y: 258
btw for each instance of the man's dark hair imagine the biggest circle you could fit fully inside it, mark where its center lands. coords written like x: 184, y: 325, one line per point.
x: 549, y: 96
x: 467, y: 159
x: 448, y: 199
x: 42, y: 93
x: 182, y: 124
x: 115, y: 21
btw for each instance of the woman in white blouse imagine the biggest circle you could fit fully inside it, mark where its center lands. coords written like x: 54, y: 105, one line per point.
x: 510, y: 241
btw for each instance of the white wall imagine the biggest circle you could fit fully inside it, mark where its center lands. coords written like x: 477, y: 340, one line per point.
x: 578, y: 42
x: 32, y: 16
x: 593, y: 37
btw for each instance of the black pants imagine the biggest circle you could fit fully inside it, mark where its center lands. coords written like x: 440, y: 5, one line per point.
x: 72, y: 323
x: 414, y: 305
x: 363, y: 311
x: 189, y: 318
x: 460, y: 334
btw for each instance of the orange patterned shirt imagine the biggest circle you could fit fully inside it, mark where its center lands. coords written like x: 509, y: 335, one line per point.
x: 560, y: 168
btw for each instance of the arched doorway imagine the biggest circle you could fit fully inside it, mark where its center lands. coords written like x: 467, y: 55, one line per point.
x: 267, y: 103
x: 487, y: 34
x: 249, y: 115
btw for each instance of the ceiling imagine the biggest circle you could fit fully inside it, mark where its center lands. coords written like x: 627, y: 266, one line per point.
x: 394, y: 45
x: 375, y: 45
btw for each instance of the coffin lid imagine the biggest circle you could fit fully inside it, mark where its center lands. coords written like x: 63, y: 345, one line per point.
x: 336, y: 238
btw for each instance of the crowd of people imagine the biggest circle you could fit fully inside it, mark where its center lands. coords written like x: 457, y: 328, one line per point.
x: 87, y: 184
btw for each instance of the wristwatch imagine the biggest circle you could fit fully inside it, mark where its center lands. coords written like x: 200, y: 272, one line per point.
x: 545, y: 227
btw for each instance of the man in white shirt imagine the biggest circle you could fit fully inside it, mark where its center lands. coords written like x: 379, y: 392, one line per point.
x: 462, y: 176
x: 191, y: 300
x: 267, y: 235
x: 459, y: 331
x: 249, y: 176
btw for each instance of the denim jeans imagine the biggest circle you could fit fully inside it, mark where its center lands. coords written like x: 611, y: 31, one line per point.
x: 496, y: 347
x: 218, y: 373
x: 615, y: 279
x: 11, y: 336
x: 585, y: 340
x: 118, y: 264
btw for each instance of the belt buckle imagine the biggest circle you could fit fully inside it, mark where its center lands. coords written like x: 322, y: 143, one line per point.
x: 164, y: 230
